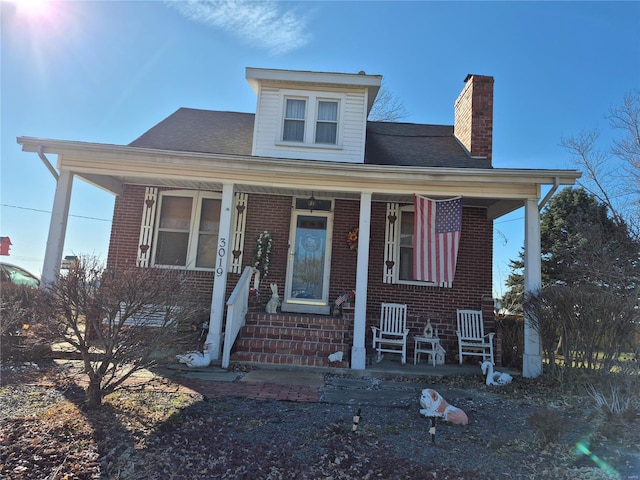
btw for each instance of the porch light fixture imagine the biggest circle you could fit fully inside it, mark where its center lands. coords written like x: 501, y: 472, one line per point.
x: 311, y: 203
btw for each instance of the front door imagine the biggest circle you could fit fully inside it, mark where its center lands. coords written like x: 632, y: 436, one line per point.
x: 308, y: 267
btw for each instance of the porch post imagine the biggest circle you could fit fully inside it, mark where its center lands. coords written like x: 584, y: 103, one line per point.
x: 57, y: 228
x: 532, y: 358
x: 358, y: 351
x: 214, y: 337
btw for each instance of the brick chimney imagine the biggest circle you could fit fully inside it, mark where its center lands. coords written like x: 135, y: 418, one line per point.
x: 473, y: 124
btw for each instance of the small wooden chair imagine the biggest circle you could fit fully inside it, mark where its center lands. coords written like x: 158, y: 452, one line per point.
x: 391, y: 335
x: 471, y: 338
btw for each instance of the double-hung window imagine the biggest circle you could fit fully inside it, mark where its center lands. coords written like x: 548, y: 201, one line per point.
x: 294, y: 120
x: 405, y: 247
x: 187, y: 230
x: 327, y: 122
x: 310, y: 119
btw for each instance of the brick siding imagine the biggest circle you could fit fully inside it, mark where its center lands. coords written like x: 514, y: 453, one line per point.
x: 471, y: 288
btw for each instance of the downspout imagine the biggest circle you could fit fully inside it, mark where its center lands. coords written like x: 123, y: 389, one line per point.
x: 556, y: 184
x: 47, y: 163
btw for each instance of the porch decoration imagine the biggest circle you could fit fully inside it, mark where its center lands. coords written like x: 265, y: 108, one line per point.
x: 345, y: 299
x: 352, y: 239
x: 495, y: 378
x: 433, y: 405
x: 262, y: 253
x: 428, y: 330
x: 196, y: 358
x: 336, y: 356
x: 274, y: 302
x: 438, y: 226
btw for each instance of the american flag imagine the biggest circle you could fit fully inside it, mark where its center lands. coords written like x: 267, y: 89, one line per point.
x: 437, y: 227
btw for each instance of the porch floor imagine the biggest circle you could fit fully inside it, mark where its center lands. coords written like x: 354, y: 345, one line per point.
x: 388, y: 383
x: 388, y: 369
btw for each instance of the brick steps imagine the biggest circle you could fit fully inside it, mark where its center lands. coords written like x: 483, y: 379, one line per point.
x: 293, y: 340
x: 286, y: 359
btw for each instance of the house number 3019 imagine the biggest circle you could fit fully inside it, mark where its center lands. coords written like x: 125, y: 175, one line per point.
x: 222, y: 254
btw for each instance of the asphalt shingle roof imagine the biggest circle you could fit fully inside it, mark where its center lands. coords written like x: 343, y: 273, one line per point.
x: 231, y: 133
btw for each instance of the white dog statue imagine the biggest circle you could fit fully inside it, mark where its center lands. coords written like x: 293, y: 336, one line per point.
x: 336, y: 357
x: 274, y: 302
x: 433, y: 405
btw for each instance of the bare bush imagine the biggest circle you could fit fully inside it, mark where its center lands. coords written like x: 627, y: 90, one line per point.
x: 18, y: 308
x: 589, y: 326
x: 618, y: 393
x: 119, y: 321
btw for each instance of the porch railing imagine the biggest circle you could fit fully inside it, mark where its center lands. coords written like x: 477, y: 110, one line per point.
x: 237, y: 307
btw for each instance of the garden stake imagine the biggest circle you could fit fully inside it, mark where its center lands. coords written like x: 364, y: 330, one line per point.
x: 432, y: 430
x: 356, y: 420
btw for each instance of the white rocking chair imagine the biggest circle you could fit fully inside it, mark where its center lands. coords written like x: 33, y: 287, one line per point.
x: 391, y: 335
x: 471, y: 338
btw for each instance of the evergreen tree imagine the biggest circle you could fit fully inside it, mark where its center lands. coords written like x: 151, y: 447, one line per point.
x: 580, y: 245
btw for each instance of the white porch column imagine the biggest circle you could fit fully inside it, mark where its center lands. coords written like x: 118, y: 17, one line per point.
x: 57, y: 228
x: 358, y: 351
x: 532, y: 358
x: 214, y: 337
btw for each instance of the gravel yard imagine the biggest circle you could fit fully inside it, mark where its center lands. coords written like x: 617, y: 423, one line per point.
x: 167, y: 431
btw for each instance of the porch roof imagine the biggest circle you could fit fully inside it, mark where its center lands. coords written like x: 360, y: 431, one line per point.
x: 112, y: 166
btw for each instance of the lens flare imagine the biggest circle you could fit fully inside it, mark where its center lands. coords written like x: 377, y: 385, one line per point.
x: 581, y: 448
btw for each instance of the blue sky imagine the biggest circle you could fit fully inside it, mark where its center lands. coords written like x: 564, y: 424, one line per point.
x: 107, y: 71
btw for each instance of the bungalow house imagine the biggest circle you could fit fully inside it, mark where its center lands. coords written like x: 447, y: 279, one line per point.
x: 329, y: 198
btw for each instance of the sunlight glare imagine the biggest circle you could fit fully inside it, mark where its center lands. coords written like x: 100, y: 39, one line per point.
x: 33, y: 8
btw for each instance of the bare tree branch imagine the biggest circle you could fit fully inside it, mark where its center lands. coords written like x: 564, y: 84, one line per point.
x: 387, y: 107
x: 613, y: 175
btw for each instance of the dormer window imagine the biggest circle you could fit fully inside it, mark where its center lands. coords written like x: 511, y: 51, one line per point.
x: 311, y: 119
x: 294, y: 120
x: 327, y: 123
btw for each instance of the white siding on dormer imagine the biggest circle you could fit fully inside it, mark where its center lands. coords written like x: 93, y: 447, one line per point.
x: 269, y: 118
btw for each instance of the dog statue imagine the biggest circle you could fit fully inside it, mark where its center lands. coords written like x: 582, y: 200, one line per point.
x: 433, y: 405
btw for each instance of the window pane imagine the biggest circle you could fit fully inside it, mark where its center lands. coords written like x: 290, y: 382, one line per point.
x: 293, y: 131
x: 206, y: 257
x: 294, y: 120
x: 328, y: 111
x: 406, y: 246
x: 210, y: 215
x: 208, y: 237
x: 172, y: 248
x: 309, y: 260
x: 327, y: 122
x: 295, y: 109
x: 176, y: 213
x: 326, y: 132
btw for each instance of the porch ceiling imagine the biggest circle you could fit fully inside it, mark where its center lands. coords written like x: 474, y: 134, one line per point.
x: 110, y: 167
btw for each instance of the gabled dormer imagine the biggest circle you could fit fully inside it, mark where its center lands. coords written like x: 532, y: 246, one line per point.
x: 311, y: 115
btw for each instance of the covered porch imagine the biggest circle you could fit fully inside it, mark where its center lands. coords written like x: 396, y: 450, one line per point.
x: 496, y: 192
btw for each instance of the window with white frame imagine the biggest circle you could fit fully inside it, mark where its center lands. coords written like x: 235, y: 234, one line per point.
x: 311, y: 119
x: 187, y: 230
x: 327, y: 122
x: 405, y: 247
x: 294, y: 117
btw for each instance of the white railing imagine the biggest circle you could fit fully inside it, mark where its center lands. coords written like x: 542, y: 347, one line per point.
x: 237, y: 307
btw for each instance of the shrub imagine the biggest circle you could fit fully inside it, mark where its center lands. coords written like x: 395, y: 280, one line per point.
x: 584, y: 326
x: 19, y: 309
x: 118, y: 321
x: 617, y: 393
x: 546, y: 424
